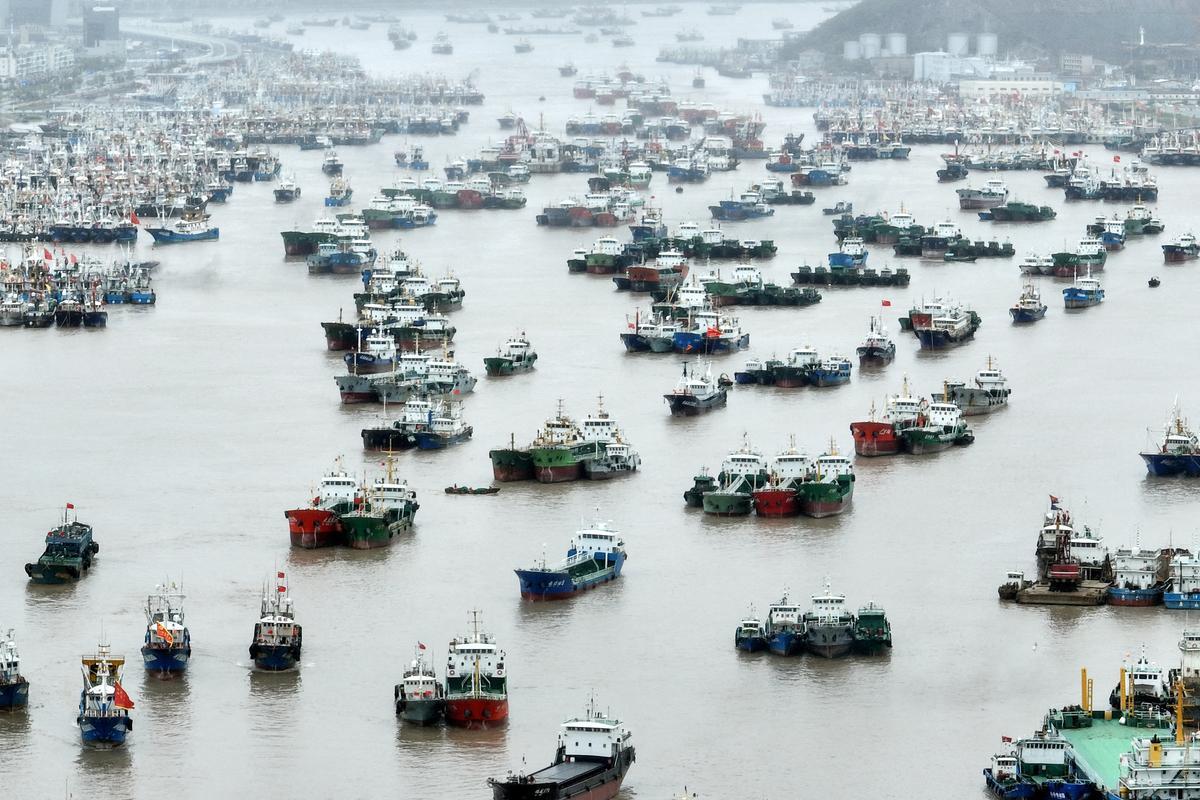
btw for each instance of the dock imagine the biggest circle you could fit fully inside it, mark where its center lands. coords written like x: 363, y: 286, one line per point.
x: 1088, y: 593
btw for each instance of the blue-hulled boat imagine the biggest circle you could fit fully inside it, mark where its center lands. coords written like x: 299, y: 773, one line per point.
x: 1184, y: 590
x: 218, y: 191
x: 1005, y: 781
x: 785, y: 629
x: 1083, y: 293
x: 851, y: 253
x: 830, y: 371
x: 749, y: 635
x: 168, y: 644
x: 444, y: 428
x: 277, y: 637
x: 104, y: 705
x: 340, y: 193
x: 706, y: 332
x: 1179, y: 453
x: 14, y: 689
x: 595, y: 556
x: 192, y: 227
x: 1029, y: 306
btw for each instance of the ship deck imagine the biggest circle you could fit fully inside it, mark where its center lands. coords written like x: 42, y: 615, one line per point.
x: 566, y: 771
x: 1097, y: 750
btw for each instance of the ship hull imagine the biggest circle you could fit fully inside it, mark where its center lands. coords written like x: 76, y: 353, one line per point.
x: 558, y: 473
x: 104, y: 730
x: 421, y: 712
x: 1008, y: 790
x: 750, y: 644
x: 601, y: 783
x: 728, y: 504
x: 314, y: 527
x: 14, y: 695
x: 167, y: 659
x: 824, y: 508
x: 690, y: 405
x: 55, y: 574
x: 476, y: 712
x: 1186, y: 600
x: 370, y: 532
x: 538, y: 585
x: 511, y: 465
x: 1027, y: 315
x: 1164, y: 464
x: 875, y: 439
x: 1135, y: 597
x: 776, y: 503
x: 785, y: 643
x: 275, y: 658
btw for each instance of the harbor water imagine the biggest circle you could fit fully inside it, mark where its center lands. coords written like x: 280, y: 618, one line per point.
x: 184, y: 430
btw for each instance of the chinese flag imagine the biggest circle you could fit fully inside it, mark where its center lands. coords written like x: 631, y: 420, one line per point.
x: 279, y: 575
x: 133, y: 217
x: 70, y: 505
x: 887, y: 302
x: 164, y: 634
x: 281, y: 588
x: 121, y: 698
x: 46, y: 254
x: 1116, y: 159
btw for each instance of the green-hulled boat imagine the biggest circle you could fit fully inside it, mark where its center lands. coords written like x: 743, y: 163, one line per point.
x: 516, y: 355
x: 872, y: 633
x: 702, y: 483
x: 387, y: 508
x: 942, y: 428
x: 511, y: 463
x: 830, y: 487
x: 733, y: 500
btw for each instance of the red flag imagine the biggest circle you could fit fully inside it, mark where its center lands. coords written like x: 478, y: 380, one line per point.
x: 74, y: 260
x: 121, y: 698
x: 281, y: 588
x: 887, y: 303
x: 70, y: 505
x: 1006, y: 739
x: 1116, y: 159
x: 421, y: 645
x: 133, y: 217
x: 46, y: 254
x: 280, y: 575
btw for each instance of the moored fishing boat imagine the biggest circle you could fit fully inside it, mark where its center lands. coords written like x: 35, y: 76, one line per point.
x: 320, y: 523
x: 14, y: 688
x: 992, y: 194
x: 104, y: 705
x: 287, y: 190
x: 1184, y: 248
x: 515, y: 355
x: 168, y: 644
x: 476, y: 680
x: 1179, y: 451
x: 420, y: 696
x: 596, y: 555
x: 192, y: 227
x: 594, y: 754
x: 938, y: 324
x: 785, y: 629
x: 559, y: 449
x: 1083, y: 293
x: 446, y: 427
x: 1029, y: 306
x: 877, y: 348
x: 872, y: 631
x: 69, y: 551
x: 277, y: 638
x: 696, y: 393
x: 732, y: 493
x: 830, y: 371
x: 750, y: 636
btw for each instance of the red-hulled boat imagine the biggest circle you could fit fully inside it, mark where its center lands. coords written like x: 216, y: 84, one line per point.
x: 772, y: 501
x: 320, y: 524
x: 882, y: 437
x: 779, y: 498
x: 476, y: 680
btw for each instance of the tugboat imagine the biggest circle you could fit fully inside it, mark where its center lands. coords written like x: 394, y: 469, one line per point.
x: 595, y: 556
x: 830, y: 627
x: 287, y: 191
x: 168, y: 646
x: 69, y: 552
x: 104, y: 705
x: 694, y: 395
x: 320, y: 524
x: 877, y: 348
x: 476, y: 681
x: 383, y: 509
x: 1083, y: 293
x: 830, y: 488
x: 1029, y: 306
x: 14, y: 689
x: 750, y: 635
x: 516, y: 355
x: 785, y: 629
x: 1179, y: 453
x: 277, y: 638
x: 594, y: 753
x: 420, y: 696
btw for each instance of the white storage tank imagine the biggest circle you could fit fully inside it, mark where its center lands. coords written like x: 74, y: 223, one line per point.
x: 869, y: 45
x: 958, y: 44
x: 897, y: 44
x: 851, y: 51
x: 987, y: 45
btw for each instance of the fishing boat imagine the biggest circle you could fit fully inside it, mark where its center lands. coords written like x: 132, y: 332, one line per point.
x: 829, y: 489
x: 872, y: 631
x: 1083, y: 293
x: 191, y: 227
x: 938, y: 324
x: 320, y: 524
x: 830, y: 371
x: 829, y: 625
x: 596, y: 555
x: 420, y: 696
x: 104, y: 705
x: 1004, y: 778
x: 694, y: 393
x: 877, y: 348
x: 331, y: 165
x: 750, y: 636
x: 340, y: 193
x: 168, y: 644
x: 515, y: 355
x: 287, y: 191
x: 382, y: 509
x: 476, y: 680
x: 456, y: 489
x: 1029, y: 306
x: 277, y: 638
x: 69, y: 551
x: 14, y: 689
x: 594, y: 754
x: 884, y: 436
x: 1179, y: 450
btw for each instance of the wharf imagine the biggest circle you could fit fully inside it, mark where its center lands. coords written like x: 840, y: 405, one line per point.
x: 1089, y: 593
